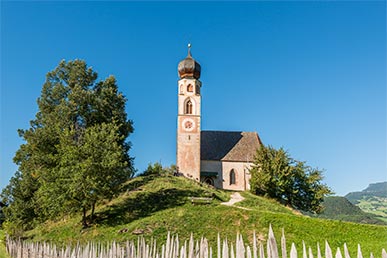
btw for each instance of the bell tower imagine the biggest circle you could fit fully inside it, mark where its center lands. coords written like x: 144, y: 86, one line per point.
x: 188, y: 118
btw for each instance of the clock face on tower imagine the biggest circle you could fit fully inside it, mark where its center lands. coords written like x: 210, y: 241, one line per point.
x: 188, y: 124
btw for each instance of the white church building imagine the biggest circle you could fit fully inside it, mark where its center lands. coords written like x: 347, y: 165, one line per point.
x: 218, y: 158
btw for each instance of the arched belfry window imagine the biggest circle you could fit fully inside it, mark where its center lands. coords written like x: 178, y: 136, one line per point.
x: 190, y: 88
x: 232, y: 177
x: 188, y: 107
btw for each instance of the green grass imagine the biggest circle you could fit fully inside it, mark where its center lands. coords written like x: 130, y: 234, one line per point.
x: 154, y: 206
x: 3, y: 253
x: 382, y: 219
x: 259, y: 203
x: 375, y: 205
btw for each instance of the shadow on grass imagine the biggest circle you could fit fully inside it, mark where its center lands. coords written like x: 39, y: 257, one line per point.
x: 142, y: 204
x: 136, y: 184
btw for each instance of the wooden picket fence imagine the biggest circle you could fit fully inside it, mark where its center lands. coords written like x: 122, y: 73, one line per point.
x: 172, y: 248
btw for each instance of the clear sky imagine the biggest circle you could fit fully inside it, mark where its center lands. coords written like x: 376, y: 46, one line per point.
x: 309, y: 76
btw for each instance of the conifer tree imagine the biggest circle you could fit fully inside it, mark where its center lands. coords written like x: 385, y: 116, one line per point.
x: 76, y: 149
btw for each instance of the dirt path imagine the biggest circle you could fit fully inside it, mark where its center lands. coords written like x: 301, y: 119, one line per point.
x: 235, y: 197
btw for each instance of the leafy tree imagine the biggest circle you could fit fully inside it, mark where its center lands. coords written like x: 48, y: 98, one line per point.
x: 154, y: 169
x: 275, y: 174
x: 157, y: 169
x: 76, y: 149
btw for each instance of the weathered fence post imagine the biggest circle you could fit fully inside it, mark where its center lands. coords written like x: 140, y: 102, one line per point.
x: 310, y: 252
x: 218, y: 242
x: 338, y: 253
x: 272, y: 250
x: 359, y: 254
x: 346, y: 252
x: 191, y: 247
x: 283, y: 244
x: 255, y: 245
x: 318, y: 250
x: 304, y: 254
x: 172, y: 249
x: 293, y: 251
x: 261, y: 251
x: 328, y: 250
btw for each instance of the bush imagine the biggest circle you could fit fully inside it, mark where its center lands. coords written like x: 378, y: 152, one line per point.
x: 275, y: 174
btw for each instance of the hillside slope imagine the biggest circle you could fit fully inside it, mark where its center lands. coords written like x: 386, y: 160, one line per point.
x: 373, y: 199
x: 3, y: 252
x: 339, y: 208
x: 153, y: 205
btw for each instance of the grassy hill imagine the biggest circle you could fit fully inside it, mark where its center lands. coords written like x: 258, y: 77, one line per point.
x: 373, y: 200
x: 339, y: 208
x: 154, y: 205
x: 3, y: 252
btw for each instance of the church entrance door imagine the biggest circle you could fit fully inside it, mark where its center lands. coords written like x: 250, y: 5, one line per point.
x: 209, y: 181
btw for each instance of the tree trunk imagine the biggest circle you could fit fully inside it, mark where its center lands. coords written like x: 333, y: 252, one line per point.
x: 92, y: 211
x: 84, y: 222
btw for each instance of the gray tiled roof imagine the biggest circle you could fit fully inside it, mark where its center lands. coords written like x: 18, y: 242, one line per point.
x: 228, y: 146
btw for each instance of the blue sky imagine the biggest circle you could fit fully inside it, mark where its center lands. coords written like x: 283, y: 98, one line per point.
x: 309, y: 76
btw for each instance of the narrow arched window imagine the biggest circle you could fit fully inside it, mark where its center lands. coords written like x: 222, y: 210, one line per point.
x: 188, y: 107
x: 190, y: 88
x: 232, y: 177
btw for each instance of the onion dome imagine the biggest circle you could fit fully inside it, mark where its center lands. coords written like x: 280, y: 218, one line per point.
x: 188, y: 67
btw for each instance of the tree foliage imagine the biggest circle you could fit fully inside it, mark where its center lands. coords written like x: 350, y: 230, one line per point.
x: 76, y: 149
x: 275, y: 174
x: 157, y: 169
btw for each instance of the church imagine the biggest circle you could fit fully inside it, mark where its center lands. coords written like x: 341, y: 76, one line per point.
x: 219, y: 158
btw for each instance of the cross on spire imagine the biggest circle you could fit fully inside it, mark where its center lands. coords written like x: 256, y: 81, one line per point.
x: 189, y: 49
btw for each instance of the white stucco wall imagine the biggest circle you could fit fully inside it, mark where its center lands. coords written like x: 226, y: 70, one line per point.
x: 241, y: 169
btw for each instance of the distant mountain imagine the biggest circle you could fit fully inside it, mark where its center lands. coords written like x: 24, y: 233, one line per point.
x: 377, y: 188
x: 373, y: 190
x: 339, y: 208
x: 373, y: 199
